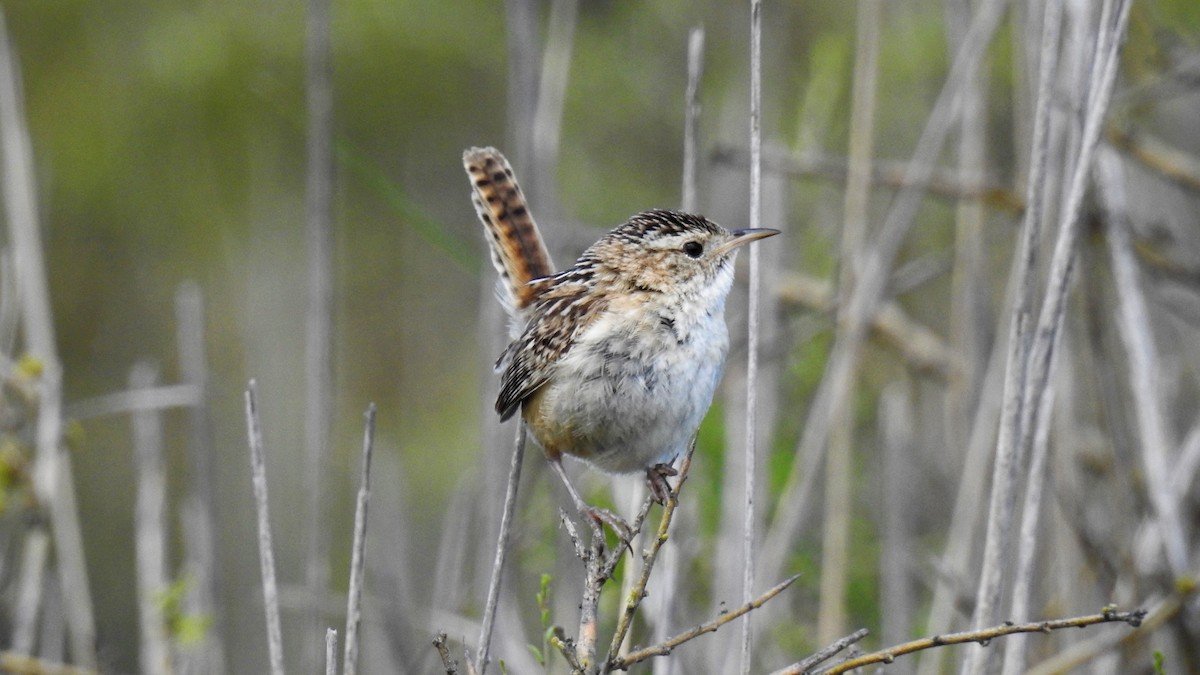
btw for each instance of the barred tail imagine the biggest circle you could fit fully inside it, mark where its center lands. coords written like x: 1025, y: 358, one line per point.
x: 518, y: 252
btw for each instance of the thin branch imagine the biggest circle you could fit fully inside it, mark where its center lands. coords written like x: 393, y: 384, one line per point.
x: 985, y: 636
x: 649, y: 556
x: 358, y: 555
x: 161, y: 397
x: 828, y: 652
x: 749, y: 549
x: 197, y: 512
x: 599, y: 564
x: 443, y: 650
x: 665, y: 648
x: 1080, y: 653
x: 493, y: 596
x: 150, y: 526
x: 266, y: 553
x: 330, y: 651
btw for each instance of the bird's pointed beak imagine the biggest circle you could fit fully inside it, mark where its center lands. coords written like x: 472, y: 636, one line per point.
x: 745, y: 237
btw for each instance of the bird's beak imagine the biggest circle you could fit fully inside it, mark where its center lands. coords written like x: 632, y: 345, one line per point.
x: 745, y: 237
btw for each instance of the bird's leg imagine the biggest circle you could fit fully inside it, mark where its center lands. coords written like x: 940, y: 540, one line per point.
x: 614, y: 521
x: 656, y: 480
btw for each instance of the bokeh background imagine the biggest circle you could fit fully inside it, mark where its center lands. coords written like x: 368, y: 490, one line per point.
x: 169, y: 141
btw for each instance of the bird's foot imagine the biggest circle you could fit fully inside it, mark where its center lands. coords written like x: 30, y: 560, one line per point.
x: 656, y: 480
x: 605, y: 517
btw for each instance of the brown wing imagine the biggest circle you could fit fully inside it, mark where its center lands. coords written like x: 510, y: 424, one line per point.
x: 518, y: 252
x: 559, y: 316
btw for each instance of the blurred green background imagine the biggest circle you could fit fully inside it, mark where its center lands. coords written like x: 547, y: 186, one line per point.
x: 169, y: 139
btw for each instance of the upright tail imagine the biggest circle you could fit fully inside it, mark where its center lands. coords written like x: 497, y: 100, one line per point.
x: 518, y: 252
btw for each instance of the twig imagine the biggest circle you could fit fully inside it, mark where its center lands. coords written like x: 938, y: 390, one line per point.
x: 358, y: 556
x: 1080, y: 653
x: 448, y: 662
x: 265, y: 549
x: 826, y: 653
x: 749, y: 558
x: 161, y: 397
x: 493, y: 596
x: 197, y: 512
x: 666, y: 647
x: 150, y: 525
x: 649, y: 556
x: 985, y: 636
x: 330, y: 651
x: 599, y: 565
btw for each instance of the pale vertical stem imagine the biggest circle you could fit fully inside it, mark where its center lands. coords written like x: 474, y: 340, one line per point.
x: 331, y: 651
x: 358, y: 550
x: 748, y: 542
x: 1134, y: 326
x: 831, y: 613
x: 493, y: 596
x: 266, y: 552
x: 29, y: 590
x: 1031, y: 509
x: 318, y: 343
x: 150, y: 526
x: 52, y: 479
x: 198, y: 512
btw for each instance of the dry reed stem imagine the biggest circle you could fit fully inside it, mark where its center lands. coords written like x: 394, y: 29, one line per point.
x: 982, y: 637
x: 265, y: 549
x: 749, y: 523
x: 493, y: 597
x: 150, y: 525
x: 358, y: 550
x: 669, y: 645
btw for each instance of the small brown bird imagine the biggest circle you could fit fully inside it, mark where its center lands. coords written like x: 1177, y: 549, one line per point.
x: 615, y: 359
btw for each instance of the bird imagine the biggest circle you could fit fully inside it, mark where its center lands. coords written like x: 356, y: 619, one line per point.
x: 615, y: 359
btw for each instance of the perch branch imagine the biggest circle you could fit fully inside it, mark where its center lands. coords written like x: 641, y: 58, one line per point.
x: 666, y: 647
x: 984, y: 636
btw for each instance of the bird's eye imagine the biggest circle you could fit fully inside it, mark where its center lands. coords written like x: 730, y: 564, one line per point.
x: 693, y: 249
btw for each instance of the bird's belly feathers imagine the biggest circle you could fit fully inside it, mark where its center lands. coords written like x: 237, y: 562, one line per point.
x: 627, y: 397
